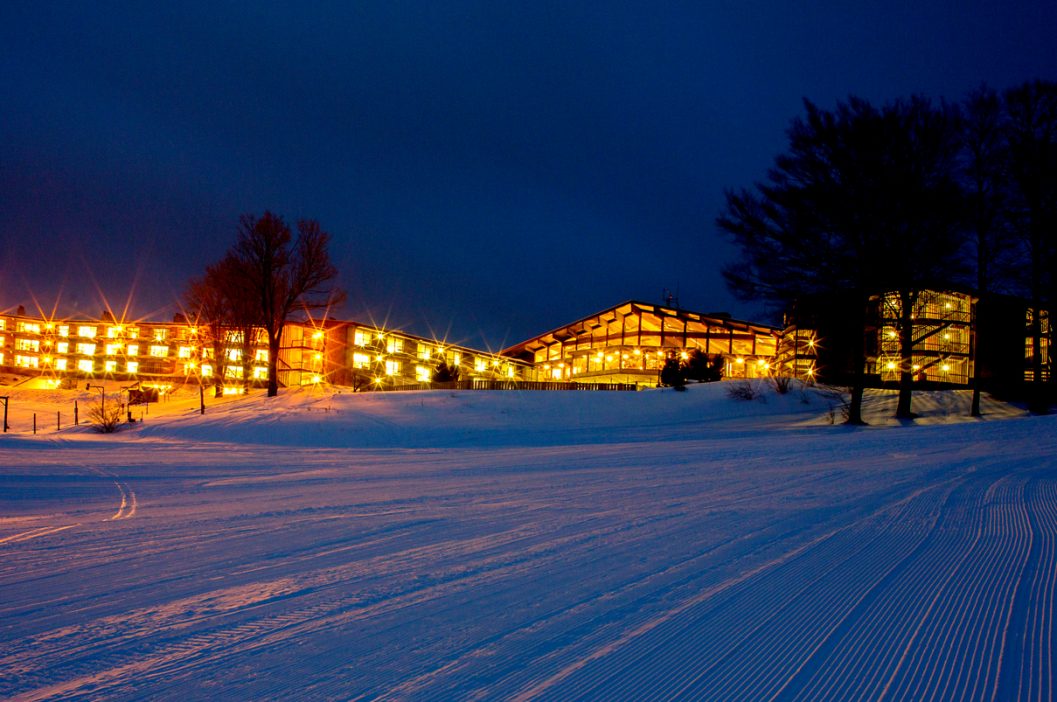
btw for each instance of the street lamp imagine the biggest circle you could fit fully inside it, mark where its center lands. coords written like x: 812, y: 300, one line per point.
x: 102, y: 397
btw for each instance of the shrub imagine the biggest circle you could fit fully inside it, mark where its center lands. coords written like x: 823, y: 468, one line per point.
x: 704, y: 368
x: 673, y: 374
x: 105, y: 419
x: 445, y: 373
x: 782, y: 384
x: 745, y: 390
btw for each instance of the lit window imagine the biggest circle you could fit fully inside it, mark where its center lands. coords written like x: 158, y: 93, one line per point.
x: 556, y: 373
x: 27, y: 344
x: 60, y: 364
x: 235, y: 355
x: 113, y: 349
x: 233, y: 371
x: 110, y: 366
x: 27, y: 361
x: 132, y: 367
x: 131, y: 332
x: 3, y: 324
x: 510, y: 371
x: 207, y: 370
x: 394, y: 345
x: 160, y: 334
x: 233, y: 337
x: 185, y: 351
x: 114, y: 332
x: 64, y: 330
x: 1, y: 341
x: 361, y: 360
x: 86, y: 332
x: 480, y: 365
x: 360, y: 338
x: 28, y: 327
x: 85, y: 349
x: 260, y: 372
x: 261, y: 356
x: 424, y: 352
x: 456, y: 358
x: 423, y: 374
x: 85, y: 365
x: 392, y: 367
x: 132, y: 350
x: 159, y: 351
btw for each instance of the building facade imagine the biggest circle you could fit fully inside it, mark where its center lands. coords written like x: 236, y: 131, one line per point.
x: 630, y: 342
x: 161, y: 354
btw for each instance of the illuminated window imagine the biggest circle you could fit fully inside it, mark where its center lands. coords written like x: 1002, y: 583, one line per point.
x: 60, y: 364
x: 85, y: 349
x: 392, y: 367
x: 456, y: 358
x: 360, y: 338
x: 160, y: 334
x: 235, y: 355
x: 185, y: 352
x: 423, y: 374
x: 159, y: 351
x: 556, y: 373
x: 480, y: 365
x: 1, y: 359
x: 394, y: 345
x: 132, y: 350
x: 86, y: 332
x: 64, y: 330
x: 510, y: 371
x: 85, y: 365
x: 110, y: 366
x: 27, y: 344
x: 260, y: 372
x: 207, y: 370
x: 27, y: 361
x: 361, y: 360
x: 131, y: 332
x: 113, y: 349
x: 3, y: 324
x: 424, y: 352
x: 114, y: 332
x: 28, y: 328
x: 233, y: 372
x: 1, y: 340
x: 132, y: 367
x: 261, y: 356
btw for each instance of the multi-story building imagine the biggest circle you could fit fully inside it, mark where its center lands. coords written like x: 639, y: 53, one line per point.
x: 629, y: 343
x: 345, y: 353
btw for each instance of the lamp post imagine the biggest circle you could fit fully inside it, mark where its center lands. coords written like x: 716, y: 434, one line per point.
x: 102, y: 397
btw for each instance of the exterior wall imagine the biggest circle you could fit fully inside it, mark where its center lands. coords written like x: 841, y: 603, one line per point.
x: 629, y: 344
x: 342, y: 353
x: 943, y: 333
x: 379, y: 358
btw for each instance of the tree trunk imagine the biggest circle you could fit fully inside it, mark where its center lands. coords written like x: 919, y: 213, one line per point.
x: 859, y: 372
x: 273, y: 362
x: 906, y: 355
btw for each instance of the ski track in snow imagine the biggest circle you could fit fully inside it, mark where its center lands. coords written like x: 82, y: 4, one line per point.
x: 795, y: 565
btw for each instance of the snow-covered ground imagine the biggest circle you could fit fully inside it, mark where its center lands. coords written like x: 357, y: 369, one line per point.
x: 525, y: 545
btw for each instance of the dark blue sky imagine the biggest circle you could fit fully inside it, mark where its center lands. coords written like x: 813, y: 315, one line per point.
x: 488, y: 170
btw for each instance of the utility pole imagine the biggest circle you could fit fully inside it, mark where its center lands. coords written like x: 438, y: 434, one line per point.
x: 4, y: 398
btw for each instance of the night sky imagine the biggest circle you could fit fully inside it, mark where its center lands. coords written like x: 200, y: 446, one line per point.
x: 488, y: 170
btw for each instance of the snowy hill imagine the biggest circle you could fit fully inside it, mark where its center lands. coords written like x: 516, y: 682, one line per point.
x: 527, y: 545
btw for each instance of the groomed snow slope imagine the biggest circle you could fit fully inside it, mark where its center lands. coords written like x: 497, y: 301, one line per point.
x: 653, y: 545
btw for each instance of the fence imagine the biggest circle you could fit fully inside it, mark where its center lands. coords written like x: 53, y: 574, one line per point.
x: 479, y: 384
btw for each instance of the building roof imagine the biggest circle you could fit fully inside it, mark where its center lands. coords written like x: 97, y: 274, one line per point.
x: 596, y: 320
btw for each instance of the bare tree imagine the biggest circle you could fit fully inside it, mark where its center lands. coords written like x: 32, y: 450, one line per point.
x: 1031, y: 110
x: 282, y: 275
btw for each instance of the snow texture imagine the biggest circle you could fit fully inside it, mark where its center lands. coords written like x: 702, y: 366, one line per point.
x: 520, y: 545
